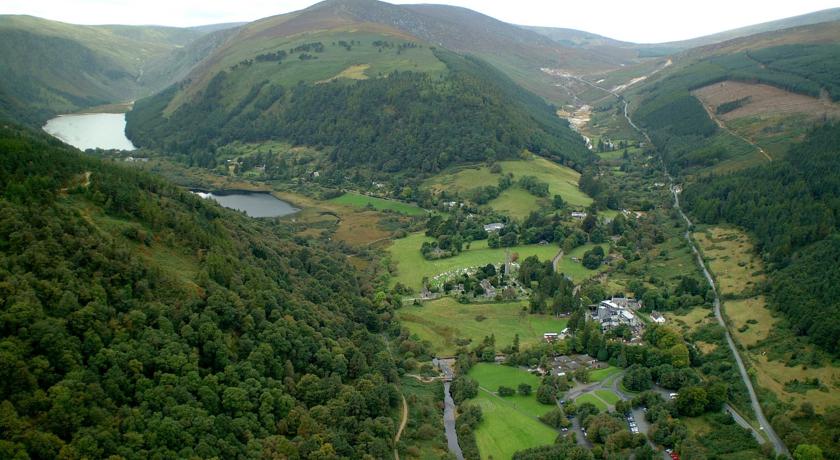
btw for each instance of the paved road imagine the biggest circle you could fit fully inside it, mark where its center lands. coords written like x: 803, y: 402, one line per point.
x: 744, y: 423
x: 778, y: 445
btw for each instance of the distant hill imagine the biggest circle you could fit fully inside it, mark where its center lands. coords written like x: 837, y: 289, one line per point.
x: 351, y: 76
x: 51, y: 67
x: 816, y: 17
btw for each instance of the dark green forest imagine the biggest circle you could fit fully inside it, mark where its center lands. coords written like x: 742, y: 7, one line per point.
x: 792, y: 206
x: 406, y: 121
x: 262, y: 347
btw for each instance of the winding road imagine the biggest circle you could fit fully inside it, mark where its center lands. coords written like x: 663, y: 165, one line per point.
x: 764, y: 425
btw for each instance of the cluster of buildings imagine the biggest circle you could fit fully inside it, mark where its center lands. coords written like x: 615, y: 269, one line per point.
x: 617, y: 312
x: 567, y: 365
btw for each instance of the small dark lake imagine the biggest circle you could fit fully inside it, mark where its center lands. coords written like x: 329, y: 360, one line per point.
x: 255, y: 204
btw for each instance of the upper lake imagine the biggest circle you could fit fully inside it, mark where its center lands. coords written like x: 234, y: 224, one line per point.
x: 91, y: 130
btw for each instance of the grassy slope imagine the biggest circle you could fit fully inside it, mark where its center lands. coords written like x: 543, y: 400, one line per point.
x: 443, y: 321
x: 335, y: 62
x: 412, y: 267
x: 362, y: 201
x: 561, y: 181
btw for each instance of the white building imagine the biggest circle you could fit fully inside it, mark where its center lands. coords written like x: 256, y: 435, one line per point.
x: 494, y: 227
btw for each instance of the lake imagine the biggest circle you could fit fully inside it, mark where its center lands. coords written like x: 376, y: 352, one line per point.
x: 91, y: 130
x: 254, y: 204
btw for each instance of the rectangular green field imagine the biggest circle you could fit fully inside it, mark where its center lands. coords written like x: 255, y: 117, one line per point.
x: 442, y: 322
x: 357, y: 200
x: 491, y: 376
x: 590, y: 398
x: 505, y: 430
x: 412, y: 266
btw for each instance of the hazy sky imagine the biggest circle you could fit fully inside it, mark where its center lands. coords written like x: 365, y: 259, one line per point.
x: 638, y: 21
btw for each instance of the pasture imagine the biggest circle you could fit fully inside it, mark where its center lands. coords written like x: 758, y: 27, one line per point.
x: 444, y: 322
x: 509, y: 423
x: 591, y: 398
x: 561, y: 180
x: 412, y: 267
x: 731, y: 258
x: 358, y: 200
x: 575, y: 269
x: 505, y: 430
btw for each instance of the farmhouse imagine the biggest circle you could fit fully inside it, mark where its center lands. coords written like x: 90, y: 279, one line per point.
x: 494, y: 227
x: 551, y: 336
x: 657, y: 317
x: 579, y: 215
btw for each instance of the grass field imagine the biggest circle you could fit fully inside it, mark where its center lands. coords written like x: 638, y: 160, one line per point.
x: 443, y: 321
x: 736, y: 268
x: 491, y: 376
x: 509, y: 424
x: 741, y: 313
x: 607, y: 396
x: 412, y: 267
x: 561, y: 181
x: 731, y: 257
x: 363, y: 201
x: 603, y: 374
x: 590, y: 398
x: 691, y: 320
x: 576, y: 270
x: 772, y: 375
x: 505, y: 430
x: 516, y: 202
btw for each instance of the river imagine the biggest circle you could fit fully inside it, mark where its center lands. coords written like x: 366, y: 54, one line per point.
x: 91, y: 131
x: 449, y: 409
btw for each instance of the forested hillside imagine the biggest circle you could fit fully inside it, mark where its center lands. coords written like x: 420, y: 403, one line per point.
x: 792, y: 206
x: 406, y: 120
x: 682, y: 129
x: 141, y: 321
